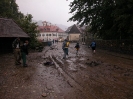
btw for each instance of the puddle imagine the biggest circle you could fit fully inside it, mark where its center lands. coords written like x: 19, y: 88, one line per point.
x: 82, y: 58
x: 73, y: 59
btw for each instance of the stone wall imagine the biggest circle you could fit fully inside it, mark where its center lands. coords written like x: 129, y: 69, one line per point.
x: 120, y: 46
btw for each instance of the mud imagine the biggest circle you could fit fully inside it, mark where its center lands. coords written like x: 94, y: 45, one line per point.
x: 104, y: 75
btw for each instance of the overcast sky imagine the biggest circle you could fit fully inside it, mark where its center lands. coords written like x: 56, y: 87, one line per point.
x: 54, y: 11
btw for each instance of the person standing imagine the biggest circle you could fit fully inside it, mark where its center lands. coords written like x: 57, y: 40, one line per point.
x: 49, y: 42
x: 77, y: 48
x: 16, y: 50
x: 24, y: 52
x: 65, y: 46
x: 57, y: 41
x: 93, y: 46
x: 54, y: 41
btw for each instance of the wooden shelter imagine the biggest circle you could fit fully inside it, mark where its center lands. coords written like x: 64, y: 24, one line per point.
x: 9, y: 30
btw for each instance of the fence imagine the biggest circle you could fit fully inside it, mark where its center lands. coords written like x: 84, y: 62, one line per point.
x: 120, y: 46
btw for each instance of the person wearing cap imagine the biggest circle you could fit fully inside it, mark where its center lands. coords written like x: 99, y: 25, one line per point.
x: 17, y: 51
x: 24, y: 52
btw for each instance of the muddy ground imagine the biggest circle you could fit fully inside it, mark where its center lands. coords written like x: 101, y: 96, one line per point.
x: 104, y: 75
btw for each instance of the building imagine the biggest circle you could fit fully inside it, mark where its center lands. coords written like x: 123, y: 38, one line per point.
x: 73, y: 33
x: 83, y: 36
x: 49, y: 32
x: 9, y: 30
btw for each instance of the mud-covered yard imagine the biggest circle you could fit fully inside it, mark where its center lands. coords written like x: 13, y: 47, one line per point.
x: 104, y: 75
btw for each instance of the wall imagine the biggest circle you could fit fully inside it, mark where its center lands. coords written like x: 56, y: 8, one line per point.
x: 74, y: 37
x: 120, y: 46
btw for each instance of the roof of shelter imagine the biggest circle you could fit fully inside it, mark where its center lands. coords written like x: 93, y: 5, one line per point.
x: 9, y: 28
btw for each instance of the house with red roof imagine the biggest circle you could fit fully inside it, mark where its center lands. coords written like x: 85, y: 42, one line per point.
x: 49, y: 32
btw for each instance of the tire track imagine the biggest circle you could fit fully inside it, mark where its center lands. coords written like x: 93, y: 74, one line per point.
x: 72, y: 82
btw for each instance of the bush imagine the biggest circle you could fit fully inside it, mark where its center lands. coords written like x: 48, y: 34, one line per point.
x: 35, y: 44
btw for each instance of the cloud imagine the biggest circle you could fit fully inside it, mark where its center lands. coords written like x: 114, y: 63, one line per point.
x: 54, y: 11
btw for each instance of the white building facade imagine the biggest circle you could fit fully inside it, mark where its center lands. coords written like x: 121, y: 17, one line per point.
x: 48, y: 36
x: 50, y: 32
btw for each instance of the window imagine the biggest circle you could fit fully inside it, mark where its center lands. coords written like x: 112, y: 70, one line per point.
x: 38, y: 35
x: 41, y: 30
x: 49, y: 34
x: 46, y: 34
x: 43, y: 34
x: 54, y: 34
x: 48, y: 29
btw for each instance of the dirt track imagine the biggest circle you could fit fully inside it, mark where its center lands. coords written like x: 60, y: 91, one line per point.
x: 103, y: 75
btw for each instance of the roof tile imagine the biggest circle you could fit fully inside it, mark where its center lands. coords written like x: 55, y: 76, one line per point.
x: 50, y: 28
x: 8, y: 28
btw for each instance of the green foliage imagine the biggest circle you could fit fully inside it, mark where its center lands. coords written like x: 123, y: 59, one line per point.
x: 34, y: 44
x: 109, y: 19
x: 8, y: 9
x: 30, y: 28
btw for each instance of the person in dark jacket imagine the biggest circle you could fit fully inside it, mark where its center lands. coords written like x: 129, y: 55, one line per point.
x: 16, y: 50
x: 24, y: 52
x: 93, y: 46
x: 77, y: 48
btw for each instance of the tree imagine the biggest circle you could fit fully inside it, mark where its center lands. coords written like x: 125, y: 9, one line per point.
x: 30, y: 28
x: 109, y: 19
x: 123, y: 18
x: 8, y: 9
